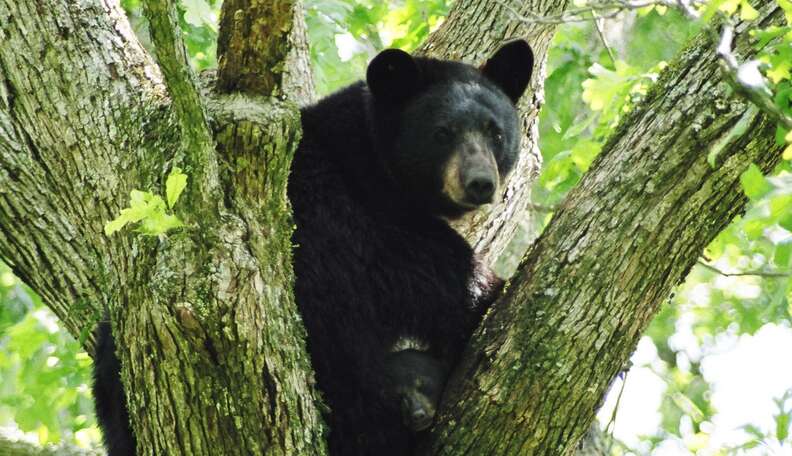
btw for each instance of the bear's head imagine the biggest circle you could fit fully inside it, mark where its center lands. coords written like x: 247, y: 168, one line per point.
x: 415, y: 383
x: 447, y: 133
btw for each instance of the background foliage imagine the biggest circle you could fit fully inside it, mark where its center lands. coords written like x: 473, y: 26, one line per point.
x: 742, y: 286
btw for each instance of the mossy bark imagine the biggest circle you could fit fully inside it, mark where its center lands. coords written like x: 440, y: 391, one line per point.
x: 538, y: 367
x: 214, y: 357
x: 213, y: 350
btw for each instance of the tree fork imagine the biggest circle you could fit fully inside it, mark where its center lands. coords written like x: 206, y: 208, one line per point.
x: 196, y: 139
x: 239, y: 367
x: 628, y: 233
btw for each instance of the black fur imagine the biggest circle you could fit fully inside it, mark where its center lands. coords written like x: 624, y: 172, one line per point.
x: 374, y: 262
x: 415, y: 384
x: 374, y: 259
x: 109, y: 398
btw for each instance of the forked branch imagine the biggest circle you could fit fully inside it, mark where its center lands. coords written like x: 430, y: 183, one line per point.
x: 196, y: 138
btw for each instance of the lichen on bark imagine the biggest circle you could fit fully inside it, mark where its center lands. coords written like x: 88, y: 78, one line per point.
x: 214, y: 352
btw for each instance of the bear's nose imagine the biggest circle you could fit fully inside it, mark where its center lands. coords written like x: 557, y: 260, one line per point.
x: 421, y: 420
x: 479, y: 189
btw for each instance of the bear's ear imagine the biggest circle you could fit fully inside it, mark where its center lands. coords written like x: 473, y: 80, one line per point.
x: 510, y: 68
x: 392, y: 75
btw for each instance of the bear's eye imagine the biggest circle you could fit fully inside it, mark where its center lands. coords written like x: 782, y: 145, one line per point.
x: 494, y: 131
x: 443, y: 135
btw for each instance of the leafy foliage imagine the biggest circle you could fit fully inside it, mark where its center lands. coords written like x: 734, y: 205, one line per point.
x: 44, y: 373
x: 345, y: 34
x: 587, y: 93
x: 149, y: 210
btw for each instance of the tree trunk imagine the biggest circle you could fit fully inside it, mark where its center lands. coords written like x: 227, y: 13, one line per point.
x: 214, y: 357
x: 539, y: 365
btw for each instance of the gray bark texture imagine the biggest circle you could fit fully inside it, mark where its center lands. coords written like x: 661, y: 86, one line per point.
x: 539, y: 365
x: 214, y: 359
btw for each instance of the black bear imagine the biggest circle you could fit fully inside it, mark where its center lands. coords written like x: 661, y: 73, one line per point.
x: 382, y: 166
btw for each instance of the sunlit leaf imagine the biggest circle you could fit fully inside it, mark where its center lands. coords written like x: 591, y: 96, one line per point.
x: 786, y: 5
x: 783, y: 255
x: 159, y: 223
x: 747, y: 12
x: 174, y: 185
x: 754, y: 182
x: 782, y: 426
x: 779, y: 72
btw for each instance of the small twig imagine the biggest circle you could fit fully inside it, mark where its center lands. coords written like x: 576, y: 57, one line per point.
x: 746, y: 78
x: 687, y: 9
x: 744, y: 273
x: 606, y: 10
x: 598, y: 26
x: 542, y: 207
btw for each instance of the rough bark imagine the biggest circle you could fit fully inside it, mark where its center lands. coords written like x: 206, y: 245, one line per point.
x: 263, y: 49
x: 215, y: 360
x: 537, y: 368
x: 83, y: 120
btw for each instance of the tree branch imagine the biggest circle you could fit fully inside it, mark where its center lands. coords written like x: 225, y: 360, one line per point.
x: 747, y: 79
x: 75, y: 129
x: 770, y: 274
x: 196, y: 138
x: 623, y: 238
x: 212, y: 348
x: 263, y: 50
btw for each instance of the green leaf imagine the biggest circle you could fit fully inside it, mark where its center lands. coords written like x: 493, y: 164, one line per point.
x: 754, y: 183
x: 782, y: 426
x: 159, y: 223
x: 729, y: 6
x: 765, y: 36
x: 754, y: 228
x: 116, y: 225
x: 786, y: 222
x: 584, y: 152
x: 578, y: 128
x: 754, y: 431
x: 780, y: 205
x: 786, y: 5
x: 149, y: 210
x: 747, y: 12
x: 780, y: 135
x: 782, y: 255
x: 779, y: 72
x: 175, y: 185
x: 713, y: 7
